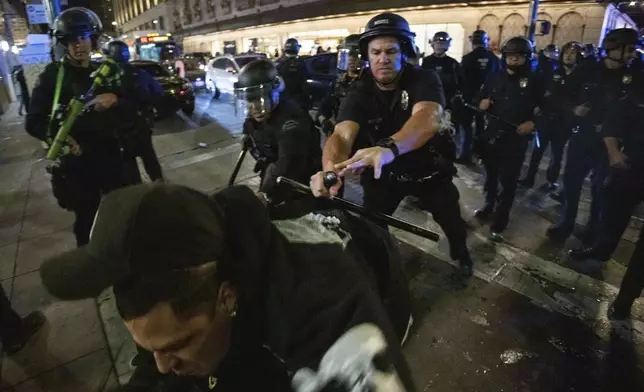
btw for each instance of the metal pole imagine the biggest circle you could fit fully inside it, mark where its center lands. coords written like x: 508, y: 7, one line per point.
x: 534, y: 10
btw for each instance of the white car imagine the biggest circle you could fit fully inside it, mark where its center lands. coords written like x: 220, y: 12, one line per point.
x: 222, y: 71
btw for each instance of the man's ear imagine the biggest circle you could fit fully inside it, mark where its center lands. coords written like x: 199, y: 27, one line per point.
x: 227, y: 299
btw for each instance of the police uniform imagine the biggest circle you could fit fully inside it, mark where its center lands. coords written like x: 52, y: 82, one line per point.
x: 286, y: 145
x: 330, y: 105
x: 476, y: 66
x: 78, y: 181
x: 555, y: 128
x: 598, y: 88
x: 449, y: 71
x: 425, y: 173
x: 291, y: 69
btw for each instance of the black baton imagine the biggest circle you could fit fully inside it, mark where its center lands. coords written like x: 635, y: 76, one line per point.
x: 358, y: 209
x: 537, y: 139
x: 240, y: 160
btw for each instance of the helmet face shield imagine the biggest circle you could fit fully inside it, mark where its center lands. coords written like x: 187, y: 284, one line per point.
x: 255, y: 102
x: 349, y: 60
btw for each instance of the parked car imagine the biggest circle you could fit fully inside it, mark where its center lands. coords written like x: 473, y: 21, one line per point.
x: 222, y: 71
x: 321, y: 72
x: 195, y: 72
x: 178, y: 92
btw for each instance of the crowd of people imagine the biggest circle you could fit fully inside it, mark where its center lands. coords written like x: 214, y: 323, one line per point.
x: 279, y: 290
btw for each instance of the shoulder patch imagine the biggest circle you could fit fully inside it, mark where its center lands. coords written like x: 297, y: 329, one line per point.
x: 289, y: 125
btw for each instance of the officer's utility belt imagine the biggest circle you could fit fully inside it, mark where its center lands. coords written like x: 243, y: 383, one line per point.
x: 407, y: 178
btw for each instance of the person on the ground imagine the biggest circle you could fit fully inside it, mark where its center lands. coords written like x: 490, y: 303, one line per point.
x: 224, y: 297
x: 553, y: 120
x: 393, y: 120
x: 350, y: 65
x: 145, y: 92
x: 16, y: 331
x: 291, y: 68
x: 279, y: 134
x: 513, y: 95
x: 92, y: 163
x: 476, y: 67
x: 593, y: 90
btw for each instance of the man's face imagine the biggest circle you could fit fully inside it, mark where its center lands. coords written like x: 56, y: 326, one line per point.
x: 385, y: 58
x: 621, y: 56
x: 354, y: 62
x: 515, y: 59
x: 190, y: 345
x: 259, y: 108
x: 440, y: 47
x: 570, y: 56
x: 80, y: 48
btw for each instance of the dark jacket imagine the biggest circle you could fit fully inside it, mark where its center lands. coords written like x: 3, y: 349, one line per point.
x: 287, y: 144
x: 298, y: 292
x: 342, y: 87
x: 449, y: 70
x: 292, y: 70
x: 476, y: 66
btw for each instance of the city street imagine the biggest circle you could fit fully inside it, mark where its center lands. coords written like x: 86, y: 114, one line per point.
x: 529, y: 321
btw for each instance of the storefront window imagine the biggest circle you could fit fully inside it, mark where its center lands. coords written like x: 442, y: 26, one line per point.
x: 265, y: 45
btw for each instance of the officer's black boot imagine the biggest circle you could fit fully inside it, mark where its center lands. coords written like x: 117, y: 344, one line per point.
x: 586, y: 234
x: 557, y: 195
x: 558, y: 233
x: 619, y: 310
x: 526, y: 182
x: 485, y: 213
x: 585, y: 253
x: 466, y: 265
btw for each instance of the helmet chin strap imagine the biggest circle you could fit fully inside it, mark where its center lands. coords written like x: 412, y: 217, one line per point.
x: 621, y: 58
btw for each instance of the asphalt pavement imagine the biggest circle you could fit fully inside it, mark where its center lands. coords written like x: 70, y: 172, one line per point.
x: 530, y: 320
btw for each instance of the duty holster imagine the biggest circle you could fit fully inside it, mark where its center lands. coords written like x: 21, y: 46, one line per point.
x: 64, y: 185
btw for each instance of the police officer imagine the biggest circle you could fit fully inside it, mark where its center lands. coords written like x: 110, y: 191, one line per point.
x: 349, y: 71
x: 476, y: 66
x: 447, y: 68
x: 393, y: 120
x: 144, y: 91
x: 280, y: 135
x: 513, y: 96
x: 590, y: 54
x: 92, y: 164
x: 291, y: 68
x: 548, y: 60
x: 593, y: 89
x: 624, y: 140
x: 554, y: 122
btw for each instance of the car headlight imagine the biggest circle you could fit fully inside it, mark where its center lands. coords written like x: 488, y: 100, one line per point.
x: 202, y: 67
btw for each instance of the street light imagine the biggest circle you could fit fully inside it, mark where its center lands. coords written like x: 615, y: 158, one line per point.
x: 114, y: 23
x: 155, y: 21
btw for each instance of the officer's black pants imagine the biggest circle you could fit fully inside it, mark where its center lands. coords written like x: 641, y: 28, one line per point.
x: 470, y: 134
x: 585, y: 154
x: 633, y: 281
x: 11, y: 328
x: 502, y: 160
x: 625, y: 190
x: 440, y: 198
x: 554, y: 133
x: 145, y: 150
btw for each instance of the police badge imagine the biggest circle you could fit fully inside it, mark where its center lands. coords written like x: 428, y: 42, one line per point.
x: 404, y: 100
x: 627, y: 79
x: 523, y: 82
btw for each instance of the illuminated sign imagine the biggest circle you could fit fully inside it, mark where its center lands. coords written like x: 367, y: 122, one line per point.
x: 151, y: 39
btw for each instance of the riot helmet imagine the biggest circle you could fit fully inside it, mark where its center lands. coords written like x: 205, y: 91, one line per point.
x: 573, y: 47
x: 551, y: 51
x: 76, y: 22
x: 517, y: 45
x: 480, y: 38
x: 440, y: 43
x: 292, y: 47
x: 349, y: 58
x: 388, y: 25
x: 414, y: 59
x: 117, y: 51
x: 625, y: 40
x: 257, y: 90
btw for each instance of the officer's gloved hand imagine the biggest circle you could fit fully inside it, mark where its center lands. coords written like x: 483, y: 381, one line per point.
x: 260, y: 165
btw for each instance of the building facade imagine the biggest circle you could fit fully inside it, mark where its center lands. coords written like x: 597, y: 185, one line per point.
x: 237, y: 26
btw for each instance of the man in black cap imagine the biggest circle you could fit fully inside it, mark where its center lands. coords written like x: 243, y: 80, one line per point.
x: 279, y: 134
x: 393, y: 120
x: 221, y: 295
x: 476, y: 66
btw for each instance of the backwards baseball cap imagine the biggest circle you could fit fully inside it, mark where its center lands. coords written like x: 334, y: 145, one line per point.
x: 139, y: 230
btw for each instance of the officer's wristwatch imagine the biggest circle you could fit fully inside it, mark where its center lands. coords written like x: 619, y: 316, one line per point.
x: 390, y: 144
